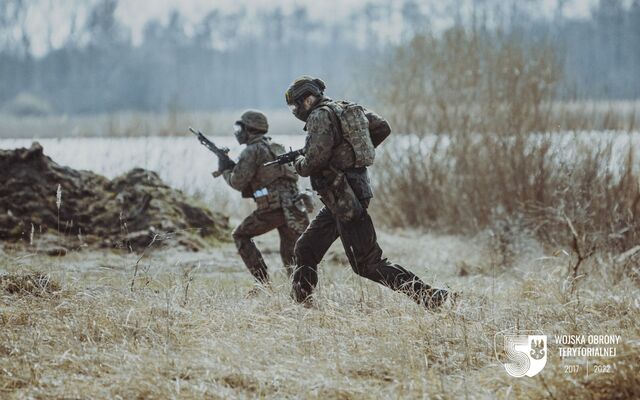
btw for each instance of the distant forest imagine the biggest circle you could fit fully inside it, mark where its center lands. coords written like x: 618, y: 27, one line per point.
x: 244, y: 59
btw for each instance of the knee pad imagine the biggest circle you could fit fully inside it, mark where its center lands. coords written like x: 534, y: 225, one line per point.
x: 240, y: 241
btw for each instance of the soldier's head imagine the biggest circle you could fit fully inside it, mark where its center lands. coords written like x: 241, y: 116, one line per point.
x: 250, y: 123
x: 303, y: 94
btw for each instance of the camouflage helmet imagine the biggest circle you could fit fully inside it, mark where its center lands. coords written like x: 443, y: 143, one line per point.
x: 254, y: 120
x: 302, y: 87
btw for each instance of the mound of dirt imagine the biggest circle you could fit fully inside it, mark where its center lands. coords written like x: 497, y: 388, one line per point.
x: 56, y: 208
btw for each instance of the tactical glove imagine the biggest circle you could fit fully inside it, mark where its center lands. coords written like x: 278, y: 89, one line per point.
x: 297, y: 164
x: 225, y: 164
x: 304, y: 202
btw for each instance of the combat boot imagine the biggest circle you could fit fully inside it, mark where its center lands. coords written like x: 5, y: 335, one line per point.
x: 433, y: 298
x: 301, y: 295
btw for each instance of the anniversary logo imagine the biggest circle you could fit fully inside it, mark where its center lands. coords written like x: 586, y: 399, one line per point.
x: 521, y: 352
x: 525, y: 352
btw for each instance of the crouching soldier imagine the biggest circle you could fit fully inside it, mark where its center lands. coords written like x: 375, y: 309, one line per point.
x: 274, y: 190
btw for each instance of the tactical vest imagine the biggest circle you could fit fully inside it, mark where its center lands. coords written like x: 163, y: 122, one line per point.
x: 354, y: 127
x: 266, y: 175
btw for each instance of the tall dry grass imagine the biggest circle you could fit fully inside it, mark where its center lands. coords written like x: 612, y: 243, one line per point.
x: 468, y: 81
x: 592, y: 115
x: 187, y: 331
x: 496, y: 162
x: 485, y: 82
x: 555, y: 190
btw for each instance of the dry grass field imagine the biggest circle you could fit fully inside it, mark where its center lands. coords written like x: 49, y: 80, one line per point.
x: 184, y: 329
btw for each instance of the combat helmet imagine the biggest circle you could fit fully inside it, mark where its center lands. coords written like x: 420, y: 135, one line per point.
x: 255, y: 120
x: 299, y: 90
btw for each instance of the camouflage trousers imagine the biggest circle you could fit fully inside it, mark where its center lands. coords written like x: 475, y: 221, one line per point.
x: 289, y: 223
x: 365, y: 256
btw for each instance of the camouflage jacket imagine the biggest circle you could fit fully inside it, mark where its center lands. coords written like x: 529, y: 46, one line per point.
x: 325, y: 148
x: 250, y: 175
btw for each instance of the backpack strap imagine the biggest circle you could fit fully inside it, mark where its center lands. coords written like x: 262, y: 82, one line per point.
x: 284, y: 170
x: 332, y: 107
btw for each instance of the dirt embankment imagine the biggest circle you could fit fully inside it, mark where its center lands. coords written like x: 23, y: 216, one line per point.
x: 56, y: 208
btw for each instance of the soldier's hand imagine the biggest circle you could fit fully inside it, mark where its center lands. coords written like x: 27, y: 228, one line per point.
x: 225, y: 164
x: 297, y: 163
x: 306, y: 199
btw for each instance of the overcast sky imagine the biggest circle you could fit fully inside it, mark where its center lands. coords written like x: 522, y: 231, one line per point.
x: 135, y: 13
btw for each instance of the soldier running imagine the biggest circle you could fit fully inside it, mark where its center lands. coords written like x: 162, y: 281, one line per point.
x: 340, y: 142
x: 274, y: 190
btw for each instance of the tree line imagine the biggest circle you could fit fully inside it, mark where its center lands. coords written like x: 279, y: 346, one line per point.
x: 247, y: 58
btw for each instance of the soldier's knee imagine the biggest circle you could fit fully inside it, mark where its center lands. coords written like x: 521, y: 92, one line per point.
x: 239, y: 239
x: 235, y: 234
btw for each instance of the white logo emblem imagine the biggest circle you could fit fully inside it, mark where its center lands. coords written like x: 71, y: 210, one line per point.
x: 521, y: 353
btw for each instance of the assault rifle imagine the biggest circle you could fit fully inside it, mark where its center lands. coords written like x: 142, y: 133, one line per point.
x: 286, y: 158
x: 221, y: 152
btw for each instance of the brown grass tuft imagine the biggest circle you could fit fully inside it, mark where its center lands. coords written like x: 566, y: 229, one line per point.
x: 36, y: 284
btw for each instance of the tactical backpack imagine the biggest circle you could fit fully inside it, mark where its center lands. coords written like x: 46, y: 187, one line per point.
x: 266, y: 175
x: 354, y: 125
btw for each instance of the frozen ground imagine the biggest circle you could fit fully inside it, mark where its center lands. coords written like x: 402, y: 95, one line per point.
x: 184, y: 328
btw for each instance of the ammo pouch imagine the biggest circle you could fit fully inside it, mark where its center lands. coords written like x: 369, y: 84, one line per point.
x: 340, y: 198
x: 247, y: 193
x: 295, y: 218
x: 268, y: 201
